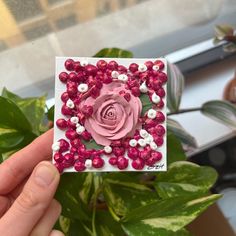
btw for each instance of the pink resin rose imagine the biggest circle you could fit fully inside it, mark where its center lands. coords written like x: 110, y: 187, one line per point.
x: 113, y: 116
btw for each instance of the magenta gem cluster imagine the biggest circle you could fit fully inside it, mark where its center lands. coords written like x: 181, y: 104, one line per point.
x: 82, y: 80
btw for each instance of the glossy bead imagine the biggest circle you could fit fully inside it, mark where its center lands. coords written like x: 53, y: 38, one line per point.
x: 123, y: 77
x: 162, y: 76
x: 72, y: 90
x: 133, y: 153
x: 56, y: 146
x: 73, y: 76
x: 70, y: 104
x: 63, y: 77
x: 122, y: 163
x: 160, y: 130
x: 58, y: 157
x: 80, y: 129
x: 138, y: 164
x: 71, y: 134
x: 112, y: 65
x: 98, y: 162
x: 158, y: 140
x: 95, y: 92
x: 149, y: 123
x: 61, y: 124
x: 86, y: 135
x: 149, y: 64
x: 113, y: 161
x: 69, y: 158
x: 160, y: 64
x: 142, y: 67
x: 135, y: 91
x: 64, y: 97
x: 69, y: 64
x: 77, y: 66
x: 149, y: 139
x: 84, y: 63
x: 127, y: 97
x: 160, y: 117
x: 155, y: 98
x: 153, y: 146
x: 74, y: 119
x: 75, y: 143
x: 114, y: 74
x: 155, y: 68
x: 143, y: 88
x: 116, y: 143
x: 161, y: 93
x: 64, y: 145
x: 118, y: 151
x: 160, y: 105
x: 142, y: 142
x: 91, y: 70
x: 133, y: 142
x: 144, y: 154
x: 87, y: 110
x: 102, y: 65
x: 143, y: 133
x: 133, y: 67
x: 79, y: 166
x: 154, y: 158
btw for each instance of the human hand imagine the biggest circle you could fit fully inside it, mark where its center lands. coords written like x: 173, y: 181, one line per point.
x: 27, y: 185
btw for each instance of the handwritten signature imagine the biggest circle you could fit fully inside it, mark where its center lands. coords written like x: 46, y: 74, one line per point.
x: 156, y: 167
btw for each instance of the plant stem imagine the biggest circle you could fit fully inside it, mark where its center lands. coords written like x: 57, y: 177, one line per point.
x: 184, y: 111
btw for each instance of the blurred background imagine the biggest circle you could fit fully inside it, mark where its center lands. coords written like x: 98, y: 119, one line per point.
x: 33, y: 32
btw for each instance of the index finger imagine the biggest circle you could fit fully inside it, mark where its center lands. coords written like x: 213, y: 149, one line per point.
x: 20, y: 165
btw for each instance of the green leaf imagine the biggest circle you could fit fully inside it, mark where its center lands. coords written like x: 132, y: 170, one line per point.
x: 86, y: 188
x: 10, y: 139
x: 92, y: 144
x: 185, y: 178
x: 114, y: 53
x: 223, y: 30
x: 221, y: 111
x: 174, y: 127
x: 78, y: 227
x: 68, y: 194
x: 12, y: 117
x: 146, y: 103
x: 171, y: 214
x: 50, y: 113
x: 106, y: 225
x: 175, y: 150
x: 175, y: 87
x: 122, y: 194
x: 33, y: 108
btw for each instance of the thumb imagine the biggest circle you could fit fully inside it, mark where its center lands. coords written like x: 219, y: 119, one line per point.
x: 33, y: 201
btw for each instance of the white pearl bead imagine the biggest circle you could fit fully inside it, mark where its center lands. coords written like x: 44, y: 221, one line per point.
x: 133, y: 143
x: 153, y: 146
x: 142, y: 67
x: 108, y: 149
x: 74, y: 119
x: 155, y: 98
x: 155, y: 67
x: 70, y: 104
x: 123, y: 77
x: 88, y: 163
x: 152, y: 113
x: 149, y: 139
x: 80, y: 129
x: 84, y: 63
x: 114, y: 74
x: 143, y: 87
x: 83, y: 88
x: 142, y: 142
x: 56, y: 146
x: 78, y: 125
x: 143, y: 133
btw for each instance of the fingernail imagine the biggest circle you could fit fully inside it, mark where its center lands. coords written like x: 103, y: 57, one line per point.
x: 44, y: 175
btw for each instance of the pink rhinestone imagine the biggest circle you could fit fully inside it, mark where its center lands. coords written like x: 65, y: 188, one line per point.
x: 98, y: 162
x: 138, y: 164
x: 113, y: 161
x: 69, y: 158
x: 79, y: 166
x: 64, y: 145
x: 102, y: 65
x: 122, y: 163
x: 58, y: 157
x: 149, y: 123
x: 144, y: 154
x: 73, y: 77
x: 133, y: 67
x: 125, y: 143
x: 73, y: 150
x: 72, y: 90
x: 112, y: 65
x: 71, y: 134
x: 160, y: 105
x: 61, y: 124
x: 162, y: 76
x: 127, y: 97
x: 122, y: 69
x: 99, y: 84
x: 78, y: 67
x: 155, y: 157
x: 133, y: 153
x: 95, y: 92
x: 116, y: 143
x: 158, y: 140
x: 87, y: 110
x: 69, y: 64
x: 63, y: 76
